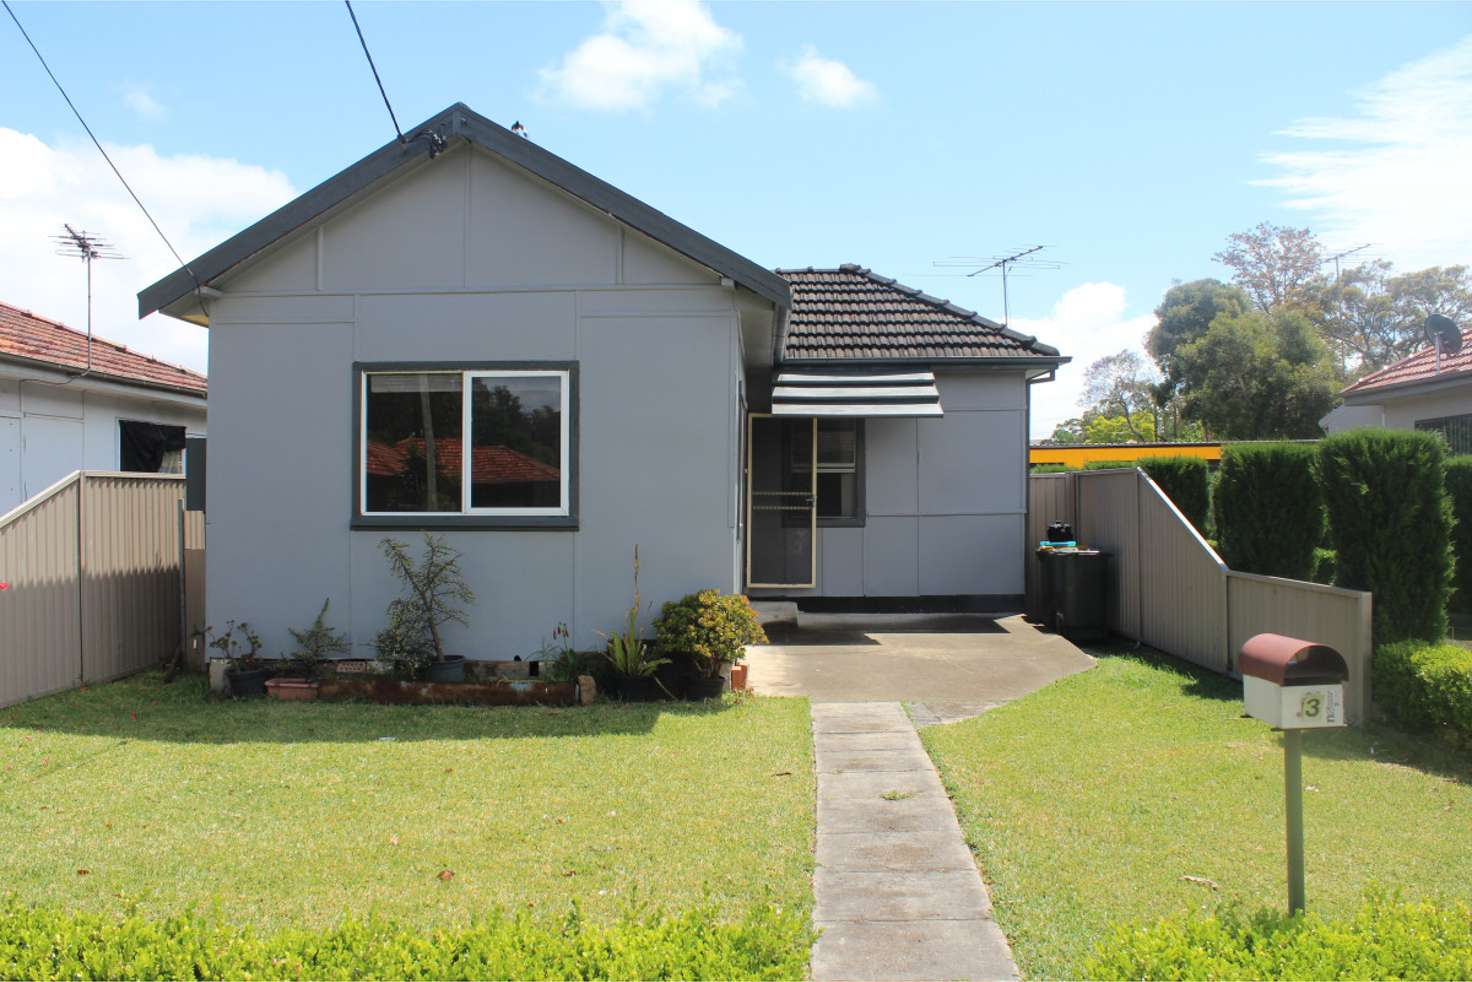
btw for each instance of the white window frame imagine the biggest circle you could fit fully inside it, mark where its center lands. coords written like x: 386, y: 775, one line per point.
x: 467, y: 448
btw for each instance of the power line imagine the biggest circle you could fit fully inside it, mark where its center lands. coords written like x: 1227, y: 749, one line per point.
x: 98, y: 144
x: 369, y: 55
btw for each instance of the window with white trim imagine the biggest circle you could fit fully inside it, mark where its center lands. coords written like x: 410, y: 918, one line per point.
x: 492, y: 442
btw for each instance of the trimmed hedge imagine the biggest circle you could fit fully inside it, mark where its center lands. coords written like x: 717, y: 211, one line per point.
x: 1459, y: 487
x: 44, y: 943
x: 1269, y: 512
x: 1185, y: 481
x: 1425, y: 686
x: 1384, y: 939
x: 1108, y: 465
x: 1390, y: 520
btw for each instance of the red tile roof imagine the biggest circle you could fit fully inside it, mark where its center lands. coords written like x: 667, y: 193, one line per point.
x: 37, y: 339
x: 493, y: 465
x: 1420, y: 367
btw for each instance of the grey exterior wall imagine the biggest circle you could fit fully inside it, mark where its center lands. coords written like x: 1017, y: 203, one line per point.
x: 946, y: 499
x: 1400, y: 410
x: 467, y: 259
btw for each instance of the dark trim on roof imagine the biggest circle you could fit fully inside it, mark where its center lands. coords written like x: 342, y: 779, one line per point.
x: 1371, y: 394
x: 459, y: 121
x: 103, y: 376
x: 939, y: 361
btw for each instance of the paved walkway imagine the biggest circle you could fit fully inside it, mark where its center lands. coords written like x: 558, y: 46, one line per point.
x: 898, y: 895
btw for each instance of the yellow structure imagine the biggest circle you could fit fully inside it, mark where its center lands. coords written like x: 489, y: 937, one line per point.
x: 1078, y: 454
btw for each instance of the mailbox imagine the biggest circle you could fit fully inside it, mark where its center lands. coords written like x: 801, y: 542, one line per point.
x: 1293, y: 684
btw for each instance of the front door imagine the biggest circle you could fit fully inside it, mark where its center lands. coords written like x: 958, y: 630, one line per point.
x: 782, y: 495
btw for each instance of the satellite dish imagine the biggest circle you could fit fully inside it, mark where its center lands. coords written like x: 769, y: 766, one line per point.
x: 1442, y: 332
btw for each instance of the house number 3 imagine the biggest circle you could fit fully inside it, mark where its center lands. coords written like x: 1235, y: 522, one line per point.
x: 1310, y: 706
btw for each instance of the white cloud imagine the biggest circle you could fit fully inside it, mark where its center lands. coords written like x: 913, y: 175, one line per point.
x: 140, y: 99
x: 199, y: 201
x: 1394, y: 174
x: 1087, y: 323
x: 827, y: 81
x: 645, y: 48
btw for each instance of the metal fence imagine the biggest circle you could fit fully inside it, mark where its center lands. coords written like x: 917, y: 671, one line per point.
x: 1169, y: 588
x: 91, y: 568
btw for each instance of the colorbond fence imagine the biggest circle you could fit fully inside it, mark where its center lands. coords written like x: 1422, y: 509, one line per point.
x: 93, y: 586
x: 1169, y: 589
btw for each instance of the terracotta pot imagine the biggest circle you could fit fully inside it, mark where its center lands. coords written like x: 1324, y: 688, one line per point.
x: 738, y: 678
x: 292, y: 690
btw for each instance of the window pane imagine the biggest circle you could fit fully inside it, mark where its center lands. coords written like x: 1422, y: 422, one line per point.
x: 838, y: 462
x: 838, y: 442
x: 838, y: 495
x: 413, y: 421
x: 516, y: 436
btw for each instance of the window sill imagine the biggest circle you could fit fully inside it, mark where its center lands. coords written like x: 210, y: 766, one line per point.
x: 451, y: 523
x: 841, y: 523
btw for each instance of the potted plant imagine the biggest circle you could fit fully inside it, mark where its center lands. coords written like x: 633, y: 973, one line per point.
x: 629, y: 655
x: 239, y: 645
x: 434, y: 592
x: 713, y: 629
x: 313, y: 646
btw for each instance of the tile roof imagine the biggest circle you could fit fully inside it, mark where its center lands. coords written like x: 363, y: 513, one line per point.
x: 1420, y: 367
x: 493, y: 465
x: 853, y: 314
x: 37, y: 339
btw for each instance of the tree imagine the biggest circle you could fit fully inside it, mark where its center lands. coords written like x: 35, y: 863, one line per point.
x: 1375, y: 317
x: 1258, y: 376
x: 1122, y: 385
x: 1277, y: 266
x: 1184, y: 314
x: 1119, y: 429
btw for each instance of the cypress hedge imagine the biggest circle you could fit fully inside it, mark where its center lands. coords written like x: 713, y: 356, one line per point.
x: 1390, y: 520
x: 1185, y: 481
x: 1269, y: 510
x: 1459, y: 486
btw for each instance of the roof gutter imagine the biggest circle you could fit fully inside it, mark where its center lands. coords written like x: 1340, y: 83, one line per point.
x: 106, y: 381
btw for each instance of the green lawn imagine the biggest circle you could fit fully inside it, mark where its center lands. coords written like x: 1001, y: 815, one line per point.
x: 280, y: 813
x: 1093, y: 800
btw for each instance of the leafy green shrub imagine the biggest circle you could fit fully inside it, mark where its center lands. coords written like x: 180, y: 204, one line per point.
x: 1108, y: 465
x: 768, y: 943
x: 1384, y: 939
x: 712, y: 627
x: 1185, y: 481
x: 1269, y: 512
x: 1425, y: 686
x: 1390, y: 520
x: 1050, y: 469
x: 1459, y: 487
x: 1326, y: 562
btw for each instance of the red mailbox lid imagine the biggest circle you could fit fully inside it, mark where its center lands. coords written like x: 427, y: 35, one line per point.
x: 1282, y: 660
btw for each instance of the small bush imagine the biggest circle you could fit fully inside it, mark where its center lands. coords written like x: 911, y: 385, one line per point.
x: 1391, y: 520
x: 43, y: 943
x: 1185, y: 481
x: 1269, y: 512
x: 1459, y: 487
x: 1425, y: 686
x: 709, y: 625
x: 1384, y: 939
x: 1050, y: 469
x: 1326, y: 562
x: 1108, y: 465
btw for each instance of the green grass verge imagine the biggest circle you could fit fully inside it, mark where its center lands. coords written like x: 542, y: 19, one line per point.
x: 295, y: 814
x: 1124, y: 793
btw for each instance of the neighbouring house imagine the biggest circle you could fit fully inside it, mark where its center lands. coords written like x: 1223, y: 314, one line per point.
x: 467, y: 334
x: 1422, y: 392
x: 128, y: 412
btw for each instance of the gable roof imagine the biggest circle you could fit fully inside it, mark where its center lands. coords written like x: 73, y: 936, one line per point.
x: 853, y: 314
x: 459, y: 122
x: 1416, y: 369
x: 33, y: 340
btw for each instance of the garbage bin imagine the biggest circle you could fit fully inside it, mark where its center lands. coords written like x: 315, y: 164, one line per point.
x: 1079, y: 594
x: 1045, y: 607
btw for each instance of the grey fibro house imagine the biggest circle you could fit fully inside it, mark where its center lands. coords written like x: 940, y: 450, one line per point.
x: 466, y: 333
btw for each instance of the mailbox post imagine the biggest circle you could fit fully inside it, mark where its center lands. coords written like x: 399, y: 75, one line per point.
x: 1293, y: 685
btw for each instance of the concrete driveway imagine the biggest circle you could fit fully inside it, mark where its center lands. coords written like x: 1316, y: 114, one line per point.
x: 947, y: 666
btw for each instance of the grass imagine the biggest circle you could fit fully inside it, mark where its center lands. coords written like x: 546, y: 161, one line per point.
x: 280, y: 814
x: 1137, y: 790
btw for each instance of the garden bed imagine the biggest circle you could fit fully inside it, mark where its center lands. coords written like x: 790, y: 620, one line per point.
x: 500, y: 692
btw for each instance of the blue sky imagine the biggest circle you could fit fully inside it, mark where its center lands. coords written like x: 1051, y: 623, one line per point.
x: 1129, y: 138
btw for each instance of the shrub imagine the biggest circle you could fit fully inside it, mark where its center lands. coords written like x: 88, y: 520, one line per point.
x: 712, y: 627
x: 1050, y: 469
x: 1425, y: 686
x: 1390, y: 520
x: 1185, y: 481
x: 1269, y: 511
x: 1384, y: 939
x: 768, y: 943
x: 1326, y: 564
x: 1459, y: 487
x: 1108, y: 465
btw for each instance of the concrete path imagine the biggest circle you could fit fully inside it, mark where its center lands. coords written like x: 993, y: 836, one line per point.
x: 898, y: 895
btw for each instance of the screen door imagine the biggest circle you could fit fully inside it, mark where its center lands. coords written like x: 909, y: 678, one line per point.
x: 782, y: 526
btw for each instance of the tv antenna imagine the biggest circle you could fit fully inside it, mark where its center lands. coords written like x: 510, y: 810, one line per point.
x: 1024, y: 258
x: 1343, y: 255
x: 1442, y: 332
x: 88, y: 248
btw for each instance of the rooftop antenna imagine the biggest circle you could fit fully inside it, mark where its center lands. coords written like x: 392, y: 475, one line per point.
x: 1442, y: 331
x: 1343, y: 255
x: 1024, y: 258
x: 88, y: 248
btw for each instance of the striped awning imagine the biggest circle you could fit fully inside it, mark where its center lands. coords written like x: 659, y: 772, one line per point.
x: 829, y: 393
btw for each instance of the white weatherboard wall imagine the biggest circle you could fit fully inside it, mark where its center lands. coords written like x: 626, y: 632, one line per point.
x: 48, y: 431
x: 467, y: 259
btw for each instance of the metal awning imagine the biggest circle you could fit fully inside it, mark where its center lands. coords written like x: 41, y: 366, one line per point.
x: 829, y: 393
